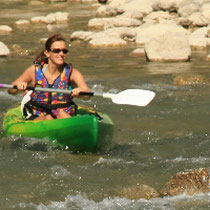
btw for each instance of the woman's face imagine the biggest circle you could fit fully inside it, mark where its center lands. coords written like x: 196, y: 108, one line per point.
x: 57, y: 53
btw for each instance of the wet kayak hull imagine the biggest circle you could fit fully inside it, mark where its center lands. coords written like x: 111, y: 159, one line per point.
x: 85, y: 132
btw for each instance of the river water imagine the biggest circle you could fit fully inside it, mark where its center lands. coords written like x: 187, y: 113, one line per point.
x: 149, y: 146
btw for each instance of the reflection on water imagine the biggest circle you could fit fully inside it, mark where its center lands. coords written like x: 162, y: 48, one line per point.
x: 150, y: 143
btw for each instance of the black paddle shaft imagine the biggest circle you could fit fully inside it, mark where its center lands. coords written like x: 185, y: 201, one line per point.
x: 28, y: 87
x: 86, y: 94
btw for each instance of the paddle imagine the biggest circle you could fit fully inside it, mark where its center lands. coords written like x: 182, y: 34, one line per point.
x: 136, y: 97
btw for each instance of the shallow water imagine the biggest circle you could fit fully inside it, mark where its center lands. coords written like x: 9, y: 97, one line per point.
x: 150, y: 144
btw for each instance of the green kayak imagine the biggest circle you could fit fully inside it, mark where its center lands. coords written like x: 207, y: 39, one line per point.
x: 85, y: 132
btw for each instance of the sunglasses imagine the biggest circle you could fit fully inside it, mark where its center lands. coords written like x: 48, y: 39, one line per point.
x: 58, y: 50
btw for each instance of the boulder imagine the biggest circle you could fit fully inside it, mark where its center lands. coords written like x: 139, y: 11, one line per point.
x: 198, y: 38
x: 102, y: 23
x: 169, y: 5
x: 5, y: 28
x: 188, y: 9
x: 205, y: 11
x: 185, y: 22
x: 82, y: 35
x: 104, y: 11
x: 36, y: 3
x: 39, y: 19
x: 22, y: 22
x: 208, y: 31
x: 198, y: 19
x: 112, y: 37
x: 136, y: 7
x: 56, y: 18
x: 117, y: 3
x: 168, y: 47
x: 157, y: 15
x: 139, y: 52
x: 16, y: 50
x: 136, y: 192
x: 191, y: 79
x: 106, y: 41
x: 190, y: 182
x: 4, y: 50
x: 148, y: 31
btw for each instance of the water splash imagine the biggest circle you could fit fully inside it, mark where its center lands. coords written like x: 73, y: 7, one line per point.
x: 80, y: 201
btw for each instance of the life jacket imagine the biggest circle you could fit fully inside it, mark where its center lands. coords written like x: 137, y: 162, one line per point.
x: 42, y: 103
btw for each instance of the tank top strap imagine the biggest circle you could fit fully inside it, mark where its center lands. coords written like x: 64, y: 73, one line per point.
x: 45, y: 68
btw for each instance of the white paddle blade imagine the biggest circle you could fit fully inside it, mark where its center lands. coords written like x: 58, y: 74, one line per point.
x: 136, y: 97
x: 24, y: 101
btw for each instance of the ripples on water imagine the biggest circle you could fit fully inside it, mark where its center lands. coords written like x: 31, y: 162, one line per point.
x: 150, y: 144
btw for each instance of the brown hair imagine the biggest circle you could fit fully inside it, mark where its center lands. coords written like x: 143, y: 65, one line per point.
x: 42, y: 57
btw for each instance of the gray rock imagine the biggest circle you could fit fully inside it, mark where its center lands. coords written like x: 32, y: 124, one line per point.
x: 4, y: 50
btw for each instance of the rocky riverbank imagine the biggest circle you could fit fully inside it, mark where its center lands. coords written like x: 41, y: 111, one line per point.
x: 160, y: 30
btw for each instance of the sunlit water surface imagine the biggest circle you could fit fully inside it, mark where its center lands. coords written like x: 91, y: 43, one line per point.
x: 150, y: 144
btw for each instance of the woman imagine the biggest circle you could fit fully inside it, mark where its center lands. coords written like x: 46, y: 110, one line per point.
x: 49, y: 70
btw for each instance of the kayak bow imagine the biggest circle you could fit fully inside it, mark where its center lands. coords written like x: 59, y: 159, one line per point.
x: 85, y: 132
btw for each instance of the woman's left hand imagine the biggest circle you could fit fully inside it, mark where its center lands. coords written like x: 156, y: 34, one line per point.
x: 76, y: 91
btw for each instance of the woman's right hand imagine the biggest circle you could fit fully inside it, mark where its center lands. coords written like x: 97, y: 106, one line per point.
x: 22, y: 86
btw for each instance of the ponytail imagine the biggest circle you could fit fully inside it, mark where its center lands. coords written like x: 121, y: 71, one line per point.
x: 41, y: 58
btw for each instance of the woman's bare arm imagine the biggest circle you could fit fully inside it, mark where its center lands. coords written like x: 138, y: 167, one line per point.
x: 78, y: 79
x: 23, y: 80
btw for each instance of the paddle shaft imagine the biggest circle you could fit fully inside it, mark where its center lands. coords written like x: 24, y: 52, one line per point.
x: 50, y: 90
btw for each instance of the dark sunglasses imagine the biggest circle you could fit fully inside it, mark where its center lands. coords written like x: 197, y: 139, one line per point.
x: 58, y: 50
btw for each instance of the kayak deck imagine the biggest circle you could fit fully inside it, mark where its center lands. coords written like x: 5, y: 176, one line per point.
x: 82, y: 133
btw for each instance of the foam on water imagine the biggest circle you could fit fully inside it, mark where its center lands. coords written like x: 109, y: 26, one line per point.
x: 80, y: 201
x: 5, y: 95
x: 111, y: 161
x: 201, y: 160
x: 59, y: 172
